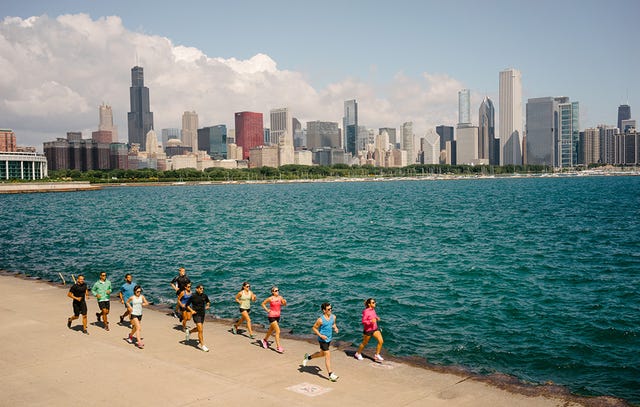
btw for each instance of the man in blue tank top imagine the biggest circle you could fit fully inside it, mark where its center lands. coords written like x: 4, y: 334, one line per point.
x: 324, y: 328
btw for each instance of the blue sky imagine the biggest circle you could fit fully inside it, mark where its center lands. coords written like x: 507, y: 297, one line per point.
x: 587, y: 50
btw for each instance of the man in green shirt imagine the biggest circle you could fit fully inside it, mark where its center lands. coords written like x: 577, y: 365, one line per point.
x: 101, y: 290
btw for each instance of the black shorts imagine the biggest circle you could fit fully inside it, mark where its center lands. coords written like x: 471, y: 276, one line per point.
x: 138, y: 317
x: 274, y: 319
x: 104, y: 305
x: 198, y: 318
x: 324, y: 346
x: 243, y: 310
x: 79, y: 307
x: 369, y: 333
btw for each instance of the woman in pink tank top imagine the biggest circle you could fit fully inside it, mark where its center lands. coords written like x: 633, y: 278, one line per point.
x: 276, y: 302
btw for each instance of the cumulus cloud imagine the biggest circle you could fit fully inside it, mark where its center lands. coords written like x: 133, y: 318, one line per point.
x: 57, y: 71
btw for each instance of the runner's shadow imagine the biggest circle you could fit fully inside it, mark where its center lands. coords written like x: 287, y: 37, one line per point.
x: 314, y: 370
x: 191, y: 342
x: 352, y: 353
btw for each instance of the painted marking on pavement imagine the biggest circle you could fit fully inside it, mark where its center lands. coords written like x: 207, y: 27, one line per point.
x: 308, y: 389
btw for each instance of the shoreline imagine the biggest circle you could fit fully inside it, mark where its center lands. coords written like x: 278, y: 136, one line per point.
x: 496, y: 381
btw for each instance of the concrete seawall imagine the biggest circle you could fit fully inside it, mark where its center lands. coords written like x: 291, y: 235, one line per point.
x: 31, y: 187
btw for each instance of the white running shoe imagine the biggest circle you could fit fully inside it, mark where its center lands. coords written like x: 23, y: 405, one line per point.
x: 333, y: 377
x: 203, y: 348
x: 187, y: 335
x: 305, y: 360
x: 358, y: 356
x: 378, y: 358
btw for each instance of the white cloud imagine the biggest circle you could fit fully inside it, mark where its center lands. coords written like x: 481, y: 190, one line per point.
x: 57, y: 71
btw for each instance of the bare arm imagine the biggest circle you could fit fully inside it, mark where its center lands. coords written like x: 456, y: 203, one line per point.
x: 264, y: 303
x: 144, y: 301
x: 283, y: 301
x: 335, y: 327
x: 238, y: 297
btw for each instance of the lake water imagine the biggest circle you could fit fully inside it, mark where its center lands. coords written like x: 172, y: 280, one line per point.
x: 534, y: 277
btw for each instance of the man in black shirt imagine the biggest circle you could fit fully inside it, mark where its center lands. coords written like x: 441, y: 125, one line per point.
x: 79, y: 292
x: 198, y: 304
x: 178, y: 283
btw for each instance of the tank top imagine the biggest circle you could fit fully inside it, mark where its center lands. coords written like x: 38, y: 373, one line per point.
x: 245, y: 299
x: 136, y: 305
x: 326, y: 328
x: 185, y: 298
x: 274, y: 307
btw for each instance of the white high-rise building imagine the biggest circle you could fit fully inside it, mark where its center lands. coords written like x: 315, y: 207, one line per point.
x: 190, y: 130
x: 408, y: 143
x: 106, y: 122
x: 281, y: 123
x: 510, y: 113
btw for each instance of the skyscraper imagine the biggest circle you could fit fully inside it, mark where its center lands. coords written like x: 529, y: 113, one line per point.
x: 408, y: 143
x: 569, y: 133
x: 552, y: 131
x: 624, y: 113
x: 322, y: 134
x: 249, y: 131
x: 190, y: 130
x: 281, y: 128
x: 106, y: 122
x: 213, y: 140
x: 140, y: 118
x: 510, y: 117
x: 487, y: 141
x: 391, y: 131
x: 446, y: 136
x: 350, y: 126
x: 464, y: 112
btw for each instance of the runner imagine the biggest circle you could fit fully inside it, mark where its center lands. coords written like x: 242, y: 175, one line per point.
x: 370, y: 328
x: 275, y: 303
x: 178, y: 283
x: 183, y: 299
x: 134, y: 304
x: 102, y: 290
x: 126, y: 291
x: 198, y: 304
x: 79, y: 292
x: 244, y: 298
x: 323, y: 328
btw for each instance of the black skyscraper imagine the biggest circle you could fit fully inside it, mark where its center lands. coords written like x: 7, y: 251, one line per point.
x: 140, y: 117
x: 624, y: 113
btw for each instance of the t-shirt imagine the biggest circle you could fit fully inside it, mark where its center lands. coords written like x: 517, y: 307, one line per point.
x: 198, y: 302
x: 101, y: 288
x: 181, y: 281
x: 369, y: 319
x: 79, y: 290
x: 127, y: 290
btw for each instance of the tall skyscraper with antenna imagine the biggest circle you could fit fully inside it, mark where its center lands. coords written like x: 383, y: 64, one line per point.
x: 140, y: 118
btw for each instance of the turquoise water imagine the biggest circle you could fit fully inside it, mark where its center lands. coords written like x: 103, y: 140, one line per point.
x: 536, y: 278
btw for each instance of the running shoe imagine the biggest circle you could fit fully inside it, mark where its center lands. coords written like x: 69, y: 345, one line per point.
x: 333, y: 377
x: 98, y: 316
x: 264, y: 343
x: 252, y: 336
x: 85, y: 332
x: 140, y: 345
x: 121, y: 320
x: 203, y: 348
x: 280, y: 349
x: 358, y: 356
x: 106, y: 326
x: 68, y: 322
x: 234, y: 329
x: 305, y: 360
x: 187, y: 335
x: 378, y: 358
x: 129, y: 339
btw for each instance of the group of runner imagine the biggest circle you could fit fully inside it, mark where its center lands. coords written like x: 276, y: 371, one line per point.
x: 193, y: 305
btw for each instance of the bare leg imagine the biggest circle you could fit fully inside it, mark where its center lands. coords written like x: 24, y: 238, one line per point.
x: 365, y: 341
x: 378, y: 337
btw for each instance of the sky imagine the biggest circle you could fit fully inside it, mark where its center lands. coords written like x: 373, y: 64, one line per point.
x: 401, y: 60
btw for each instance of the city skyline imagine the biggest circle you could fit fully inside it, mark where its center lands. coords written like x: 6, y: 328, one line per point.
x: 63, y: 66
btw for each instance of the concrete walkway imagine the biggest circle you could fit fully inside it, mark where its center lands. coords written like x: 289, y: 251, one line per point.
x: 44, y: 363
